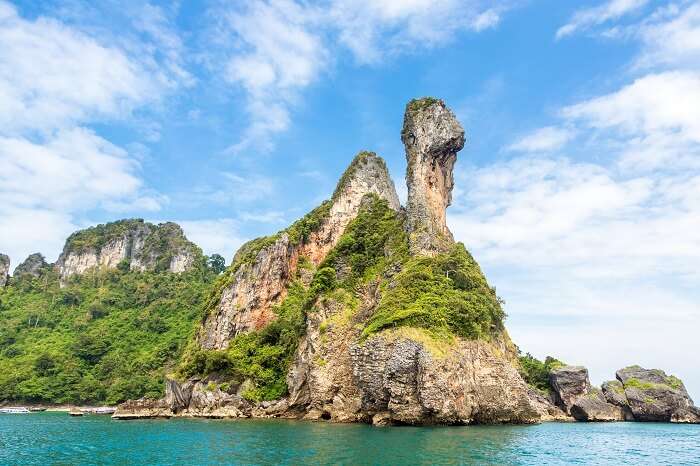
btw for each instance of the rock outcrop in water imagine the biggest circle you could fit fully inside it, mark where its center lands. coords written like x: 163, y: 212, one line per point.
x: 264, y: 267
x: 132, y: 243
x: 32, y: 266
x: 4, y: 269
x: 388, y: 330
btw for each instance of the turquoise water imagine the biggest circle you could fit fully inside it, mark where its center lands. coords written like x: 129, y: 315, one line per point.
x: 56, y: 438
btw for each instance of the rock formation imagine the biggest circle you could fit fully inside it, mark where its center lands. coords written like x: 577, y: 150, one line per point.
x: 262, y: 269
x: 432, y: 137
x: 574, y: 394
x: 4, y: 269
x: 354, y: 352
x: 32, y: 266
x: 653, y: 396
x: 136, y: 244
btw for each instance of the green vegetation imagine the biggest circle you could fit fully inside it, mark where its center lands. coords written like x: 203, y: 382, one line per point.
x: 446, y: 294
x: 96, y: 237
x: 674, y: 382
x: 438, y: 297
x: 639, y: 384
x: 535, y: 372
x: 416, y: 105
x: 108, y: 336
x: 163, y: 243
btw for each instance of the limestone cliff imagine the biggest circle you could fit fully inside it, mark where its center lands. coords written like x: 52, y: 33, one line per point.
x: 371, y: 311
x: 432, y: 137
x: 262, y: 269
x: 133, y: 243
x: 4, y: 269
x: 32, y: 266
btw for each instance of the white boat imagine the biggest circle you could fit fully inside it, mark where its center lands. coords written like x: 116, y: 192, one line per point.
x: 21, y: 410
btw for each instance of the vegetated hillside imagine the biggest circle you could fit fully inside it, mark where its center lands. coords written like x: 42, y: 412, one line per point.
x: 442, y: 296
x: 107, y: 336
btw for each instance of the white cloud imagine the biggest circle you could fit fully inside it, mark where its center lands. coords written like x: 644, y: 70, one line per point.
x: 671, y: 37
x: 276, y: 54
x: 54, y: 76
x: 667, y: 101
x: 274, y: 49
x: 55, y: 81
x: 372, y: 29
x: 610, y: 10
x: 214, y: 236
x: 542, y: 140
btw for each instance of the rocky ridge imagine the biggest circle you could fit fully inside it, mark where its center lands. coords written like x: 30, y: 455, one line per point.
x: 132, y: 243
x: 263, y: 268
x: 394, y: 329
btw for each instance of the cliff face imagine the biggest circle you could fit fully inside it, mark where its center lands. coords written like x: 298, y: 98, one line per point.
x: 432, y: 137
x: 263, y: 268
x: 4, y: 269
x: 395, y: 323
x: 138, y: 245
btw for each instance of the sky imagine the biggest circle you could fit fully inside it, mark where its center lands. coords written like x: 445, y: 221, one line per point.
x: 578, y: 190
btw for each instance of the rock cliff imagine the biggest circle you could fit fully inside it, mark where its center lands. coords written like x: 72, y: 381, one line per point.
x: 132, y: 243
x: 262, y: 269
x: 32, y: 266
x: 4, y: 269
x: 364, y: 311
x: 432, y: 137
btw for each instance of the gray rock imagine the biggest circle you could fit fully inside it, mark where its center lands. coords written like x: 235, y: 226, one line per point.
x: 133, y: 243
x: 569, y: 383
x: 432, y: 137
x: 654, y: 396
x: 4, y: 269
x: 32, y: 266
x: 614, y: 393
x: 592, y: 407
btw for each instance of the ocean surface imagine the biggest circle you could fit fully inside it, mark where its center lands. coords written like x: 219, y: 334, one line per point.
x: 56, y: 438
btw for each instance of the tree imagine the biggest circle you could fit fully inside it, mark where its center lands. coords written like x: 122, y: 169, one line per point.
x: 217, y: 263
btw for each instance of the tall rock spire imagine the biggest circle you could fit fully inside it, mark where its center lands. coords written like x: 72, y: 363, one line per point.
x: 432, y: 137
x: 4, y: 269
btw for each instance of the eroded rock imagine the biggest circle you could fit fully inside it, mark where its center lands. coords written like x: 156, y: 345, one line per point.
x: 132, y: 243
x: 265, y: 266
x: 654, y: 396
x: 432, y: 137
x: 593, y: 407
x: 569, y: 383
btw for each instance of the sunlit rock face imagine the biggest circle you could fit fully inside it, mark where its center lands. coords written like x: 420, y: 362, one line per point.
x: 133, y: 243
x: 432, y: 137
x: 259, y: 283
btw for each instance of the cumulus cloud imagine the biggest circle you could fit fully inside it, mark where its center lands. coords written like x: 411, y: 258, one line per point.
x: 55, y: 81
x: 588, y: 17
x: 274, y: 49
x: 215, y: 236
x: 542, y: 140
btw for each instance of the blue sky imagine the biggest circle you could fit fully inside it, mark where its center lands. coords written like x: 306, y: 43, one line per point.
x: 578, y: 190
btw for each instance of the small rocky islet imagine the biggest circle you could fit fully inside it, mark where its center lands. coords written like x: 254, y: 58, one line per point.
x: 362, y: 311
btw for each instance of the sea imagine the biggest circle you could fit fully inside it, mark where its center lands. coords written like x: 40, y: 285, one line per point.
x: 56, y: 438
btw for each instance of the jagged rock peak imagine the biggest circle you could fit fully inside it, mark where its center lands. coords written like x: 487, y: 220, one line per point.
x: 432, y: 137
x: 137, y: 244
x: 32, y: 265
x: 261, y: 269
x: 4, y: 269
x: 366, y: 174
